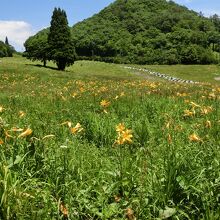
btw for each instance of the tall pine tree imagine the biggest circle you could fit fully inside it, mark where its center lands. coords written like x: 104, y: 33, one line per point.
x: 10, y: 49
x: 61, y: 48
x: 6, y: 41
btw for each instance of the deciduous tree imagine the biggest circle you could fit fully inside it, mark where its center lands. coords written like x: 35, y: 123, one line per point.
x: 36, y: 47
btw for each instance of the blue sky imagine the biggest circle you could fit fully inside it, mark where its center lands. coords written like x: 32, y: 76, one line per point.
x: 20, y: 19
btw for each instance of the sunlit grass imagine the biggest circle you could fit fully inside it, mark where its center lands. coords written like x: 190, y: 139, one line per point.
x: 200, y: 73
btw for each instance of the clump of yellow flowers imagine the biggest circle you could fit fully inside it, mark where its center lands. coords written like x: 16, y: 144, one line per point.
x: 124, y: 135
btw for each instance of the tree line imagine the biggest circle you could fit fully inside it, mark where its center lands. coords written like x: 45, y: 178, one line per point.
x: 6, y: 50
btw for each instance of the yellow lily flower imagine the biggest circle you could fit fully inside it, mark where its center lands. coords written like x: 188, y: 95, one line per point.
x: 104, y: 103
x: 194, y: 137
x: 26, y: 133
x: 120, y: 127
x: 77, y: 129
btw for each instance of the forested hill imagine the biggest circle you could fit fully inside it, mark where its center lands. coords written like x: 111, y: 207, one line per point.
x: 148, y: 32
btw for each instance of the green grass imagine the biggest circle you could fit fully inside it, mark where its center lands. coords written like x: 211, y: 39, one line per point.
x: 160, y: 174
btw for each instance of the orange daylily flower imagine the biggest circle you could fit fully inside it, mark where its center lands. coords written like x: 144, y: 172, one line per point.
x: 77, y: 129
x: 8, y: 135
x: 16, y: 129
x: 124, y: 137
x: 206, y: 110
x: 188, y: 113
x: 64, y: 210
x: 104, y: 103
x: 195, y: 105
x: 1, y: 142
x: 26, y: 133
x: 194, y: 137
x: 120, y: 127
x: 68, y: 123
x: 208, y: 124
x: 21, y: 114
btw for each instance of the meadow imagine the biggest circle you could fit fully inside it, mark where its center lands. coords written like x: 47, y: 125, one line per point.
x: 99, y: 142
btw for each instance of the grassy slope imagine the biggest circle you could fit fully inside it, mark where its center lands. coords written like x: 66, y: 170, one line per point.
x: 81, y: 69
x: 86, y: 173
x: 85, y: 69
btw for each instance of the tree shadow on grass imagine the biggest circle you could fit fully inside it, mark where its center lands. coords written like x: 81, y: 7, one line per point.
x: 42, y: 66
x: 46, y: 67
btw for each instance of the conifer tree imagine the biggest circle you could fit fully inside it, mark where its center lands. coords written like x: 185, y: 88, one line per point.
x: 6, y: 41
x: 61, y: 49
x: 10, y: 49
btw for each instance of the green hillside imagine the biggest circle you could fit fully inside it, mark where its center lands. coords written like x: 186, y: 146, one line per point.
x: 147, y: 32
x: 141, y: 32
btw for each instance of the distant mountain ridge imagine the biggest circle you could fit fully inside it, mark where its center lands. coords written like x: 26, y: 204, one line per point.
x: 147, y: 32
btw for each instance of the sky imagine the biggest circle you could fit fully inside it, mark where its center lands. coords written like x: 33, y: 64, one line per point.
x: 20, y: 19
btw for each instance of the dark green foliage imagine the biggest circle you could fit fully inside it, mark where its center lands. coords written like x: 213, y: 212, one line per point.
x: 3, y: 50
x: 147, y: 32
x: 10, y: 49
x: 196, y: 54
x: 52, y: 44
x: 216, y: 21
x: 6, y: 50
x: 61, y: 49
x: 6, y: 41
x: 37, y: 47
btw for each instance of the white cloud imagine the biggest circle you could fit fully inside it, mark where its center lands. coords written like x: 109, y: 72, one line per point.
x: 16, y: 31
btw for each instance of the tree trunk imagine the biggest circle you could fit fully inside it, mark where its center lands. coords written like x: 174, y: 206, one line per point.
x: 61, y: 64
